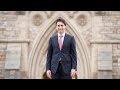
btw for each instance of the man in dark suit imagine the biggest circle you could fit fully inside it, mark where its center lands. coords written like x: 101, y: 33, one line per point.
x: 61, y: 57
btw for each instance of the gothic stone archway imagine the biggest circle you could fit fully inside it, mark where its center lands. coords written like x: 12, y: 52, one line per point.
x: 38, y: 54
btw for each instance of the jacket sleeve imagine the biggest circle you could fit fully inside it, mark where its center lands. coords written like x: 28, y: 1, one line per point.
x: 73, y: 53
x: 49, y: 55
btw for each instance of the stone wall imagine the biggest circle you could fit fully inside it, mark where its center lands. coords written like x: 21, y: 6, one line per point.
x: 20, y: 32
x: 105, y: 37
x: 13, y: 36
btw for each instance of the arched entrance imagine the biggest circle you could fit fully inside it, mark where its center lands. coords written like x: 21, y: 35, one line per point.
x: 39, y: 50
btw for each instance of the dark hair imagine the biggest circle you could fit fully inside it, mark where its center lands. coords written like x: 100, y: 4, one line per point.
x: 61, y: 20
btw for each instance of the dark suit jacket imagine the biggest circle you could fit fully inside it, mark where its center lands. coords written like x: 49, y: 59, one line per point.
x: 67, y: 54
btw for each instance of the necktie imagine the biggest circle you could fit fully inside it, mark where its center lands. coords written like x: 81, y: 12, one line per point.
x: 60, y: 42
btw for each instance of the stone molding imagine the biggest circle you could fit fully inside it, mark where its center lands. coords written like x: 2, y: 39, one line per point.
x: 14, y: 41
x: 105, y: 42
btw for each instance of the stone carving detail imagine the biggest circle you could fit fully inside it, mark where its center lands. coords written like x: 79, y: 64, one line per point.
x: 82, y: 20
x: 87, y: 34
x: 49, y: 13
x: 71, y: 13
x: 37, y: 19
x: 20, y: 12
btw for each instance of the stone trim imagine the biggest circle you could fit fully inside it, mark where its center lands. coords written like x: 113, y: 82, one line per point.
x: 14, y: 41
x: 105, y: 42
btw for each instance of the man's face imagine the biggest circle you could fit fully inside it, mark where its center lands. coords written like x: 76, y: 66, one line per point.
x: 60, y: 27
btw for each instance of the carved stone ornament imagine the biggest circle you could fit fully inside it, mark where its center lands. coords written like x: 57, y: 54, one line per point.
x: 49, y: 13
x: 71, y: 13
x: 82, y: 20
x: 37, y: 19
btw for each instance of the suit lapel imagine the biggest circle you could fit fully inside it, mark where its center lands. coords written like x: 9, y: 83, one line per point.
x: 65, y: 38
x: 56, y: 41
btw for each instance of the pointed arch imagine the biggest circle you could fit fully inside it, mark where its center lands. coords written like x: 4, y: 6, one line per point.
x: 37, y: 56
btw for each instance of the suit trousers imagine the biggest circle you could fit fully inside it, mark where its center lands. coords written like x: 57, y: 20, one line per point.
x: 60, y: 73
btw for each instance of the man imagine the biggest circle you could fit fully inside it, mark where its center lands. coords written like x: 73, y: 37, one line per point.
x: 61, y: 57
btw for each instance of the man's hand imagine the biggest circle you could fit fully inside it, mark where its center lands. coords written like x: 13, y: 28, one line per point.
x: 73, y: 72
x: 49, y: 74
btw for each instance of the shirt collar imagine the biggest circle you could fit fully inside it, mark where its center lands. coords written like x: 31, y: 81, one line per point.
x: 62, y: 34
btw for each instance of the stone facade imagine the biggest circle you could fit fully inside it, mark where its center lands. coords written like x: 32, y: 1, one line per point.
x: 24, y: 39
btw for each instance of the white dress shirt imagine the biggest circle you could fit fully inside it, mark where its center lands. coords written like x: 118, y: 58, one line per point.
x: 63, y: 35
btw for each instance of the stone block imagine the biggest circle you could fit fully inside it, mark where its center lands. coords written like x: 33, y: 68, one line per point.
x: 104, y: 74
x: 105, y: 65
x: 105, y: 55
x: 12, y: 74
x: 13, y: 56
x: 2, y: 46
x: 12, y: 64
